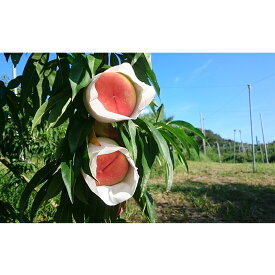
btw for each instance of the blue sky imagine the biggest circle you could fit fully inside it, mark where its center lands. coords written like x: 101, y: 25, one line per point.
x: 214, y: 84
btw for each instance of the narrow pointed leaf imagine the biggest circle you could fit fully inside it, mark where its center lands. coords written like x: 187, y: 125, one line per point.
x: 79, y: 75
x: 176, y: 146
x: 164, y: 150
x: 15, y: 82
x: 15, y: 57
x: 79, y: 130
x: 64, y: 210
x: 38, y: 200
x: 68, y: 177
x: 40, y: 176
x: 188, y: 126
x: 160, y: 113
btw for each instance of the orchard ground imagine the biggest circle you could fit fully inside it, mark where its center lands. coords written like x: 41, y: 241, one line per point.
x: 212, y: 192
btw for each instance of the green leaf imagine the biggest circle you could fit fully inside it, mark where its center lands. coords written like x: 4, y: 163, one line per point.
x: 57, y: 111
x: 40, y: 176
x: 188, y: 126
x: 45, y: 108
x: 79, y: 129
x: 31, y: 76
x: 69, y: 112
x: 15, y: 82
x: 38, y: 200
x: 143, y: 66
x: 3, y: 93
x: 146, y: 204
x: 40, y: 66
x: 144, y: 168
x: 135, y: 58
x: 152, y: 105
x: 78, y: 209
x: 178, y: 134
x: 64, y: 210
x: 15, y: 57
x: 86, y: 160
x: 126, y: 141
x: 172, y: 141
x: 70, y: 169
x: 150, y: 207
x: 148, y: 58
x: 79, y: 76
x: 93, y: 64
x: 62, y: 75
x: 151, y: 75
x: 114, y: 59
x: 81, y: 191
x: 160, y: 113
x: 12, y: 102
x: 62, y: 147
x: 8, y: 214
x: 164, y: 150
x: 2, y: 123
x: 68, y: 177
x: 7, y: 56
x: 191, y: 141
x: 132, y: 131
x: 55, y: 186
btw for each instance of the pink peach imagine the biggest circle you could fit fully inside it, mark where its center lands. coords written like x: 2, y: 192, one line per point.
x: 117, y: 93
x: 111, y: 168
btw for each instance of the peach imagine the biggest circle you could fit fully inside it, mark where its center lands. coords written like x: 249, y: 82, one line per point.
x: 105, y: 130
x: 111, y: 168
x: 117, y: 93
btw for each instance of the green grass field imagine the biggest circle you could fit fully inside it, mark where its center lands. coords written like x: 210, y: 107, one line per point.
x: 210, y: 192
x: 213, y: 192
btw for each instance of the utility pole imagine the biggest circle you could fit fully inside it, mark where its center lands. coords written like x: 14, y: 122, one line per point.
x: 234, y: 146
x: 218, y: 148
x: 243, y: 150
x: 251, y: 128
x: 266, y: 156
x: 14, y: 76
x: 259, y: 144
x: 202, y: 129
x: 241, y: 143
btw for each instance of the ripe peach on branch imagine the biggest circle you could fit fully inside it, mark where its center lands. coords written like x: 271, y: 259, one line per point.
x: 115, y: 171
x: 117, y: 94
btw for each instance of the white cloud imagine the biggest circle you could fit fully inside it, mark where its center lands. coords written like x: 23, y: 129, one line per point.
x: 203, y: 66
x: 145, y: 111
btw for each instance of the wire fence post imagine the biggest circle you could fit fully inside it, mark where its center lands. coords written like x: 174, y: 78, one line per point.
x: 251, y: 128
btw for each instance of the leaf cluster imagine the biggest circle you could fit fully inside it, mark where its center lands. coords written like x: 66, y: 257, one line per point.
x: 50, y: 96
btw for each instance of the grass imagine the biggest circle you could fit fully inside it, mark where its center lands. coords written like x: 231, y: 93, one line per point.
x: 210, y: 192
x: 213, y: 192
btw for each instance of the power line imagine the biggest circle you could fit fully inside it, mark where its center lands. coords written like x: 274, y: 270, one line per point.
x: 219, y: 86
x: 264, y: 78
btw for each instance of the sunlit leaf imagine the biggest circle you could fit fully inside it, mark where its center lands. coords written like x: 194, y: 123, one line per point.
x: 188, y: 126
x: 79, y: 75
x: 68, y: 177
x: 160, y: 113
x: 164, y: 150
